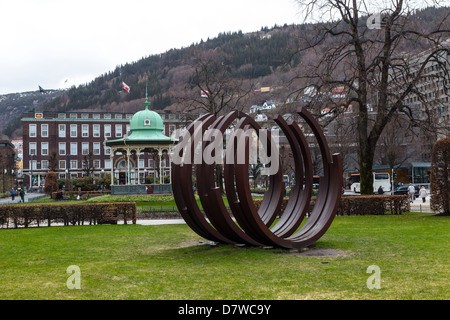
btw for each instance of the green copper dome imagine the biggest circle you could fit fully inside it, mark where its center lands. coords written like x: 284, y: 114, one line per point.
x: 147, y: 125
x: 146, y: 120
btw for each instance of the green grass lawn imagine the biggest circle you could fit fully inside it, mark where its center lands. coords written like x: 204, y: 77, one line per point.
x: 147, y: 203
x: 160, y: 262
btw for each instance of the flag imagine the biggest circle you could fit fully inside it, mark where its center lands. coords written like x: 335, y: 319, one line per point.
x: 204, y: 94
x: 125, y: 87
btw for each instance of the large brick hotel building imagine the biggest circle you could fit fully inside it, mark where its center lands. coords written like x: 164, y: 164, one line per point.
x: 70, y: 142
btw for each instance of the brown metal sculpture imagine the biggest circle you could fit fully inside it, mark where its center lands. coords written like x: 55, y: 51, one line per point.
x: 245, y: 224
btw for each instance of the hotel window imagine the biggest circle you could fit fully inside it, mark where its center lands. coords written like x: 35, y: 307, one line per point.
x: 127, y: 129
x: 171, y: 129
x: 107, y: 116
x: 44, y: 148
x: 73, y: 148
x: 62, y: 130
x: 107, y: 151
x: 62, y: 164
x: 107, y: 129
x: 96, y: 116
x: 141, y: 163
x: 118, y: 130
x: 73, y: 164
x: 33, y: 165
x: 73, y: 131
x: 73, y: 116
x: 85, y: 130
x: 44, y: 130
x: 44, y: 164
x: 96, y: 148
x: 61, y: 115
x: 32, y: 148
x: 108, y: 164
x: 62, y: 148
x: 96, y: 130
x: 150, y: 163
x: 32, y: 130
x: 118, y: 116
x: 96, y: 164
x: 142, y: 177
x: 129, y: 116
x: 84, y: 116
x: 85, y: 148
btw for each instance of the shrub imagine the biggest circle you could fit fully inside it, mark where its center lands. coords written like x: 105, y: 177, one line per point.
x: 85, y: 183
x: 95, y: 213
x: 439, y: 177
x: 51, y: 183
x: 363, y: 205
x: 373, y: 204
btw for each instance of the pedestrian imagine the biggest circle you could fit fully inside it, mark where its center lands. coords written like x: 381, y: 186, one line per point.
x: 423, y: 194
x: 79, y: 193
x: 380, y: 190
x: 13, y: 193
x: 22, y: 195
x: 411, y: 191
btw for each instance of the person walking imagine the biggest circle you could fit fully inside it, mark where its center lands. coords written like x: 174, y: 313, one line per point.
x: 22, y: 195
x: 380, y: 190
x: 13, y: 193
x: 411, y: 191
x: 423, y: 194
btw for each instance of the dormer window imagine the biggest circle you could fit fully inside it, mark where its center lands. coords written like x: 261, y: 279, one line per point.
x: 147, y: 122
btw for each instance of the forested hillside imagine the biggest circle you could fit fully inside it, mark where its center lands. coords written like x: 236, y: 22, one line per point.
x: 249, y: 56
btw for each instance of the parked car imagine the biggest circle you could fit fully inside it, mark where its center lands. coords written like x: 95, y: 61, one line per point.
x: 404, y: 190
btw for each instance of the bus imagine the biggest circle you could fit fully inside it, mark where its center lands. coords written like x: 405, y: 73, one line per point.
x: 315, y: 182
x: 382, y: 179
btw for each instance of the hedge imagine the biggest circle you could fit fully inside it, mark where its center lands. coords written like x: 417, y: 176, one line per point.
x: 373, y: 205
x: 84, y: 194
x: 96, y: 213
x: 362, y: 205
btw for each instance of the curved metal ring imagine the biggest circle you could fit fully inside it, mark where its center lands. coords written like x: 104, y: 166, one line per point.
x: 254, y: 227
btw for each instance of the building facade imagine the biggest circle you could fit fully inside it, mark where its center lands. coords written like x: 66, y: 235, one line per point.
x: 72, y: 144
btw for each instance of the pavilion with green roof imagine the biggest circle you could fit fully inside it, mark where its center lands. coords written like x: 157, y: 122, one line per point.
x: 146, y: 127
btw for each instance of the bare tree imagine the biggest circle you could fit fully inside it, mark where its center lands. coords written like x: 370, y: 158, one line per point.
x: 213, y: 89
x: 372, y: 67
x: 53, y: 159
x: 397, y: 143
x: 88, y: 164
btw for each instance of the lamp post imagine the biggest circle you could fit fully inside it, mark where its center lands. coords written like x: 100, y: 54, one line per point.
x: 31, y: 173
x: 4, y: 174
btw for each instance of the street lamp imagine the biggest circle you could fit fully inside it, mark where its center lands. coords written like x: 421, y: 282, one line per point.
x: 31, y: 173
x: 4, y: 174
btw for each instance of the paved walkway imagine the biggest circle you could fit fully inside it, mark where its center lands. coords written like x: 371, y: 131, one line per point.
x: 418, y: 206
x: 28, y: 197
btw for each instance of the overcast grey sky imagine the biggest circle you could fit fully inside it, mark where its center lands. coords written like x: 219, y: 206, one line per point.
x: 60, y: 43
